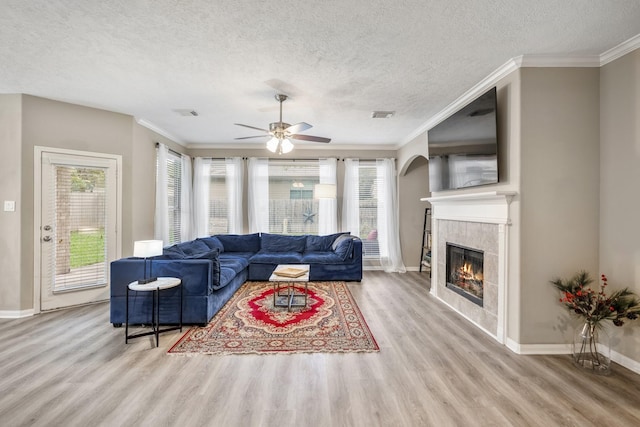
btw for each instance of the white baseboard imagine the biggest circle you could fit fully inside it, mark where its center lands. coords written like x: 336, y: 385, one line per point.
x: 621, y: 359
x: 16, y: 314
x: 531, y: 349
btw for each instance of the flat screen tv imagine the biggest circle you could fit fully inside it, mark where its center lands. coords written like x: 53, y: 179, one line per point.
x: 463, y: 149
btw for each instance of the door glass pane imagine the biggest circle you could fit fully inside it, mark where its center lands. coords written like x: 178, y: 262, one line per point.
x: 80, y: 221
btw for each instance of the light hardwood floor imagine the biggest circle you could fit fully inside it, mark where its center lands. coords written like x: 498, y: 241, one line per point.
x: 72, y: 368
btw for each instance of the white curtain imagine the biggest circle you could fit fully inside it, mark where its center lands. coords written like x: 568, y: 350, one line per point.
x: 388, y: 226
x: 187, y: 231
x: 327, y: 208
x: 351, y: 197
x: 258, y: 194
x: 201, y: 179
x: 233, y: 180
x: 161, y: 223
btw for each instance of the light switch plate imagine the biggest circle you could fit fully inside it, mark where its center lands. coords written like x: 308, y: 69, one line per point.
x: 9, y: 205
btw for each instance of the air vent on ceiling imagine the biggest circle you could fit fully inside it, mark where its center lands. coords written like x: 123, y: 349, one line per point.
x: 186, y: 112
x: 382, y: 114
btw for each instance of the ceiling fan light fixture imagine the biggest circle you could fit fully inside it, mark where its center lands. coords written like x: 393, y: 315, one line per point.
x: 272, y: 144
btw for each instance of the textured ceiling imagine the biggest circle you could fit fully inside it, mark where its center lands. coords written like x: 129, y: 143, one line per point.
x: 338, y: 60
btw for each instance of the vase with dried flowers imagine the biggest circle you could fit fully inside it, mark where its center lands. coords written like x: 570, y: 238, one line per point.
x: 591, y: 349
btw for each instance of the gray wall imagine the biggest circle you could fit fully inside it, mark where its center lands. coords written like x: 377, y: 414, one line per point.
x: 11, y: 243
x: 620, y: 174
x: 413, y: 184
x: 559, y: 192
x: 28, y: 121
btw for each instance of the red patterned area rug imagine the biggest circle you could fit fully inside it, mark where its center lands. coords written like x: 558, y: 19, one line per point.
x: 249, y: 323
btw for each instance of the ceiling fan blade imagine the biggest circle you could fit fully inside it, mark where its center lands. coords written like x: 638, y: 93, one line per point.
x: 310, y: 138
x: 249, y: 137
x: 298, y: 127
x: 251, y: 127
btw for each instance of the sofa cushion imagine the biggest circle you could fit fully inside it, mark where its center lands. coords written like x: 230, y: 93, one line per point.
x: 321, y: 258
x: 237, y: 264
x: 283, y: 243
x: 233, y: 255
x: 212, y: 242
x: 277, y: 258
x: 226, y: 276
x: 240, y: 242
x: 344, y: 248
x: 321, y: 243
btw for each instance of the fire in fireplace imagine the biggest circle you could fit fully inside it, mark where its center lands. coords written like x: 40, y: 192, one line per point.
x: 465, y: 274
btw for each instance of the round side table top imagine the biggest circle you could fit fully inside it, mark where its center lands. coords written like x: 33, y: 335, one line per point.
x: 161, y: 283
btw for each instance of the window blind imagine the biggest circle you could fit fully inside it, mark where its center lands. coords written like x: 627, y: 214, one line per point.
x: 174, y: 188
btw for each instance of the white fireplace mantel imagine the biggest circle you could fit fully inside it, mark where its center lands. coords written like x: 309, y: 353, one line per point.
x: 490, y: 207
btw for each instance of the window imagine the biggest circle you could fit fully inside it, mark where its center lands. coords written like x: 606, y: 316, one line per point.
x: 368, y: 201
x: 292, y: 208
x: 218, y: 200
x: 218, y: 196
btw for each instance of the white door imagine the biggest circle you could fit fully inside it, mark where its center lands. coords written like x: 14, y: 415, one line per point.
x: 77, y: 227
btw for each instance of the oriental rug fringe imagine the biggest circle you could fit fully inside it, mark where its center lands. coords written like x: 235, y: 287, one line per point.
x: 250, y: 324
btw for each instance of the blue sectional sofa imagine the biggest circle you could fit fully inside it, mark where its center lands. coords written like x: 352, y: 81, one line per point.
x: 213, y: 268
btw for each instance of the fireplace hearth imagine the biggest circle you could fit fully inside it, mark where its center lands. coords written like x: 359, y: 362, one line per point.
x: 465, y: 272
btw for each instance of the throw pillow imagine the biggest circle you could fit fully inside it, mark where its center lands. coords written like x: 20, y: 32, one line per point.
x: 321, y: 243
x: 193, y: 247
x: 339, y: 240
x: 173, y: 252
x: 344, y: 247
x: 212, y: 242
x: 211, y: 254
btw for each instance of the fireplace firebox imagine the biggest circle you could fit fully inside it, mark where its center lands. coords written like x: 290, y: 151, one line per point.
x: 465, y: 274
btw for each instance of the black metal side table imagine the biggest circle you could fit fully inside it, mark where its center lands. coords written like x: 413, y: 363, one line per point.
x: 156, y: 286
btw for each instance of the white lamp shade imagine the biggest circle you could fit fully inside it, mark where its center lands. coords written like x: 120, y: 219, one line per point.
x: 147, y: 248
x: 286, y: 146
x: 324, y: 191
x: 272, y: 144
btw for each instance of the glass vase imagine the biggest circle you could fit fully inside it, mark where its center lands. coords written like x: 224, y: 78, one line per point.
x: 591, y: 349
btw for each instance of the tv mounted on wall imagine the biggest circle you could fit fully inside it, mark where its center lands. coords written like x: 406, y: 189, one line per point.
x: 463, y: 149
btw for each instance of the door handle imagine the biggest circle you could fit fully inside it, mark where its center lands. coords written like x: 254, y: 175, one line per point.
x: 47, y: 238
x: 47, y: 228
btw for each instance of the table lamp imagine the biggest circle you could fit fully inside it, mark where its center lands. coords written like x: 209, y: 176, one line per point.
x: 145, y: 249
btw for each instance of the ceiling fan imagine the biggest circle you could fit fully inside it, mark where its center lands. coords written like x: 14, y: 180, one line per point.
x: 282, y: 133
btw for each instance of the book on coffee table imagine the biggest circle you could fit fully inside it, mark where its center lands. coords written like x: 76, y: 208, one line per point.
x: 291, y: 272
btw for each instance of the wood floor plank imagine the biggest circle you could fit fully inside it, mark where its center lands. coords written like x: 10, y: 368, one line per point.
x: 434, y: 368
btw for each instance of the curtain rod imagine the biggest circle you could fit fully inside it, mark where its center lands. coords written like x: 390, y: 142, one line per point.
x: 170, y: 150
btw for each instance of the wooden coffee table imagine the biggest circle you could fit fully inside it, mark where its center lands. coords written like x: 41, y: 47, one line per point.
x: 287, y: 284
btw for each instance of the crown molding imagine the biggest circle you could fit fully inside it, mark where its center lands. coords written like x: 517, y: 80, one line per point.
x: 479, y: 88
x: 297, y: 147
x: 160, y: 131
x: 618, y: 51
x: 523, y: 61
x: 560, y: 61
